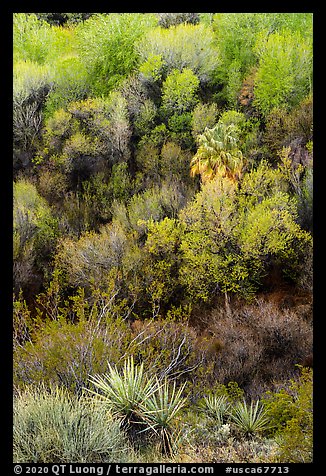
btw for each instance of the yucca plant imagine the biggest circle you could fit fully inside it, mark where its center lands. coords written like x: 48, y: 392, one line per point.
x: 160, y: 413
x: 124, y: 393
x: 216, y: 407
x: 250, y: 419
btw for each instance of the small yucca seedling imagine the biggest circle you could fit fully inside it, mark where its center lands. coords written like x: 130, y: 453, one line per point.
x: 250, y: 419
x: 216, y: 407
x: 160, y: 412
x: 124, y: 393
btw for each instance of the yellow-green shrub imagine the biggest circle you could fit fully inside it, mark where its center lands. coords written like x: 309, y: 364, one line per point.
x: 291, y: 416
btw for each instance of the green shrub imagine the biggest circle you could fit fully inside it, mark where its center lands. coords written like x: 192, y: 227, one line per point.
x: 181, y: 46
x: 284, y: 73
x: 203, y: 115
x: 31, y: 37
x: 53, y: 427
x: 87, y: 138
x: 35, y: 234
x: 290, y: 412
x: 106, y: 42
x: 31, y: 84
x: 229, y: 230
x: 66, y: 351
x: 179, y: 92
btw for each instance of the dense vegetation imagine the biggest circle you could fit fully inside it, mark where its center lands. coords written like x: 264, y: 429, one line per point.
x: 163, y: 184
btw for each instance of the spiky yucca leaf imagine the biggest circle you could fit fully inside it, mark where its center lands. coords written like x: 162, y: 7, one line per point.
x: 250, y: 419
x: 160, y: 411
x: 216, y: 407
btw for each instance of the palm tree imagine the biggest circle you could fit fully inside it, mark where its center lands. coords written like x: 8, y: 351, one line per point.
x: 218, y: 154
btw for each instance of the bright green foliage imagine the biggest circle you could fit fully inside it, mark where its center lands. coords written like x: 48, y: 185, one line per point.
x: 291, y: 415
x: 172, y: 155
x: 284, y: 73
x: 153, y: 204
x: 280, y: 408
x: 211, y: 259
x: 31, y: 84
x: 270, y: 229
x: 53, y: 426
x: 182, y: 46
x: 48, y: 70
x: 284, y: 404
x: 179, y: 91
x: 233, y: 117
x: 233, y: 83
x: 107, y: 45
x: 70, y: 83
x: 162, y: 237
x: 31, y: 38
x: 29, y: 78
x: 260, y: 183
x: 237, y: 33
x: 54, y: 48
x: 152, y: 69
x: 296, y: 444
x: 218, y: 153
x: 236, y: 36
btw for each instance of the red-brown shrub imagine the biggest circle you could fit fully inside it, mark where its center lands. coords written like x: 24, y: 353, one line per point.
x: 260, y: 343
